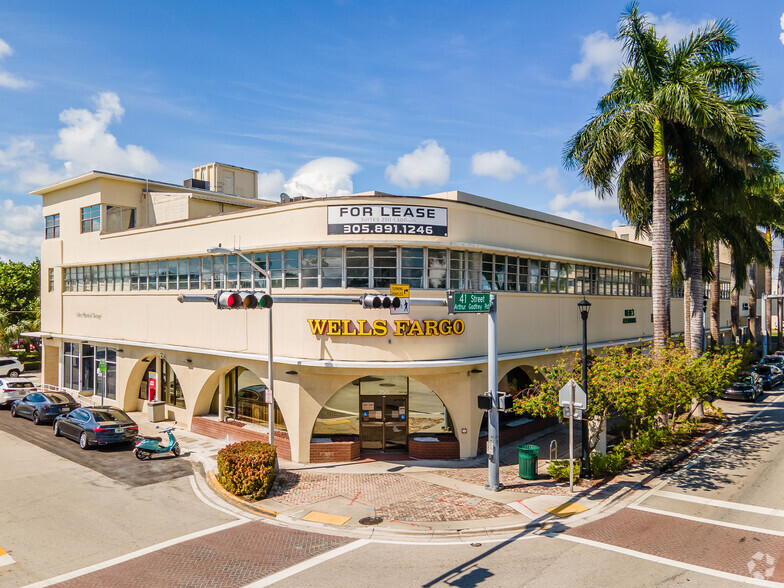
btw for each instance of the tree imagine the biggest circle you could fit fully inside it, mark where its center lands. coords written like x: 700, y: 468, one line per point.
x: 693, y: 85
x: 20, y: 302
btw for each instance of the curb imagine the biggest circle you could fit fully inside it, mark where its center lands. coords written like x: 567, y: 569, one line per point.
x: 238, y: 502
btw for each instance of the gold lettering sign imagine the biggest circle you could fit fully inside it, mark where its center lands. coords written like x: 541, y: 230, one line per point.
x: 380, y: 328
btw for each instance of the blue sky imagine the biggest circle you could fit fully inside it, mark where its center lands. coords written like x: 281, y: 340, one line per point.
x: 325, y: 97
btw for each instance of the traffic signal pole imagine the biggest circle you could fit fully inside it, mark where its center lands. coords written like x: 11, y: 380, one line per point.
x: 493, y: 438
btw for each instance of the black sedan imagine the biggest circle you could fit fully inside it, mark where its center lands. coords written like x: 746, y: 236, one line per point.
x: 770, y: 374
x: 43, y: 406
x: 97, y: 425
x: 747, y: 387
x: 776, y: 360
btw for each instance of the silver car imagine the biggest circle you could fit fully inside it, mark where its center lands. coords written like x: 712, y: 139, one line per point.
x: 13, y: 389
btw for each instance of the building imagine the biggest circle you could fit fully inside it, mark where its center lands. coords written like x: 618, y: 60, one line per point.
x: 119, y: 251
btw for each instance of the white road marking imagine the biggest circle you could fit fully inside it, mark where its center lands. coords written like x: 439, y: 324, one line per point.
x: 773, y: 512
x: 135, y: 554
x: 313, y: 561
x: 5, y: 559
x: 708, y: 521
x: 200, y: 495
x: 768, y: 565
x: 669, y: 562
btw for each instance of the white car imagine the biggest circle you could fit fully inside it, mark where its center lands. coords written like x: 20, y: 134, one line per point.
x: 13, y: 389
x: 10, y: 366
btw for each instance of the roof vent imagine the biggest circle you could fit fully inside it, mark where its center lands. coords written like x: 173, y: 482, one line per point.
x: 194, y: 183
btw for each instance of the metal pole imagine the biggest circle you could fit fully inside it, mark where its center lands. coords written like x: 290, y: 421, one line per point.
x: 764, y: 325
x: 585, y: 467
x: 571, y: 439
x: 493, y: 440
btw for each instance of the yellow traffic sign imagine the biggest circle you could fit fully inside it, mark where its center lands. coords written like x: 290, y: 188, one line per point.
x: 399, y: 290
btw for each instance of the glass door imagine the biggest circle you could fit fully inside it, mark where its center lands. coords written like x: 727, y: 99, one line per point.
x: 383, y: 423
x: 395, y: 423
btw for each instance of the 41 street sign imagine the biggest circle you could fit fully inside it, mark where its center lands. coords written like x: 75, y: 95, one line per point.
x: 469, y: 302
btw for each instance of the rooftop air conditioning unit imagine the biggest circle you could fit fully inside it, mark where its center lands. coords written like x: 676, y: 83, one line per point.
x: 194, y: 183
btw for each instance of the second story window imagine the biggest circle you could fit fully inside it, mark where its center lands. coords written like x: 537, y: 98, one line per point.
x: 91, y: 218
x: 52, y: 226
x: 119, y: 218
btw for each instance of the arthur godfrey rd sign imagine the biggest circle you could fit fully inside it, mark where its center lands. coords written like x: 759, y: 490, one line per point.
x: 386, y: 219
x: 380, y: 328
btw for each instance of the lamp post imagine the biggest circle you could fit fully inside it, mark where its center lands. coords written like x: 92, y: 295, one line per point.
x: 271, y: 410
x: 585, y: 469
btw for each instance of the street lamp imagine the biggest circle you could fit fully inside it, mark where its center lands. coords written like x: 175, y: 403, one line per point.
x: 271, y: 410
x: 585, y: 470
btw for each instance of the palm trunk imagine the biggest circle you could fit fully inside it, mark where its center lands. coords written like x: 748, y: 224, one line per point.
x: 686, y: 307
x: 660, y: 235
x: 768, y: 286
x: 753, y: 322
x: 780, y: 313
x: 715, y: 296
x: 735, y: 302
x: 697, y: 288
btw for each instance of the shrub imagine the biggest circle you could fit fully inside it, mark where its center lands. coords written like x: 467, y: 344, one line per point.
x: 559, y: 469
x: 247, y: 468
x: 604, y: 465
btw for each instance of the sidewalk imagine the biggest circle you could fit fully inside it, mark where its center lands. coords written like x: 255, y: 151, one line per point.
x: 415, y: 497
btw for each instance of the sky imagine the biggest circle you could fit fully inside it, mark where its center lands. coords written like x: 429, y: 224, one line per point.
x: 327, y: 97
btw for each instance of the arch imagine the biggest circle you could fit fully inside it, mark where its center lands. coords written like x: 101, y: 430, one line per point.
x: 517, y: 379
x: 134, y: 381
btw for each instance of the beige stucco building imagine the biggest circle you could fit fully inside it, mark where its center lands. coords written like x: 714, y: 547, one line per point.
x: 120, y: 250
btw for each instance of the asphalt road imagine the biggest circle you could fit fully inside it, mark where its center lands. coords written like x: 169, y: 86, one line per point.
x: 116, y: 462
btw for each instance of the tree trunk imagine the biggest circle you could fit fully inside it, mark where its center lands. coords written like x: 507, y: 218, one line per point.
x: 780, y: 313
x: 753, y: 322
x: 715, y: 296
x: 660, y: 235
x: 687, y: 307
x: 697, y: 288
x: 768, y: 287
x: 734, y: 302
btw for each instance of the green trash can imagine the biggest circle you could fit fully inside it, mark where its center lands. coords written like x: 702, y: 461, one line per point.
x: 529, y: 459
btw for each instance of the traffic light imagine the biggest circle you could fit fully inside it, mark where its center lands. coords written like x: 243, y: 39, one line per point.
x: 242, y: 300
x: 379, y: 301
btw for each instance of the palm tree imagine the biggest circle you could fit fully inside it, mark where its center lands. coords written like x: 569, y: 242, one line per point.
x: 694, y: 85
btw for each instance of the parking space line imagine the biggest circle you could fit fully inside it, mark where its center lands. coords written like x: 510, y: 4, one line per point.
x: 5, y: 559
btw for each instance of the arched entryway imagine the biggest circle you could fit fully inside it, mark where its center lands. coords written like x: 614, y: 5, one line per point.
x: 158, y: 379
x: 244, y: 399
x: 383, y: 412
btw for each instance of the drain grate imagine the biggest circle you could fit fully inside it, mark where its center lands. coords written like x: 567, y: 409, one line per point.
x: 370, y: 520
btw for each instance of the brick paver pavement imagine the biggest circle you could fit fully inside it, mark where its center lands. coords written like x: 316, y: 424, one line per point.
x: 230, y: 558
x: 736, y: 551
x: 393, y: 496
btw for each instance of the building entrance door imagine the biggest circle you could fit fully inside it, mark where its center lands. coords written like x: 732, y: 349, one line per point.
x: 383, y: 423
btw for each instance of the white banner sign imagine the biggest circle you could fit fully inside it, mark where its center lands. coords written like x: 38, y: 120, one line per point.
x: 386, y: 219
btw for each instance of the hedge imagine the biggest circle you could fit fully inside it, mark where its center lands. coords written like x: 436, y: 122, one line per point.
x: 247, y: 468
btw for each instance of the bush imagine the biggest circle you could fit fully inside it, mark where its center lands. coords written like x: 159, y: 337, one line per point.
x: 247, y: 468
x: 559, y: 469
x: 605, y: 465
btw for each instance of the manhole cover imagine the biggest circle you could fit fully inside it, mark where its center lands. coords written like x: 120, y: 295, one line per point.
x: 370, y: 520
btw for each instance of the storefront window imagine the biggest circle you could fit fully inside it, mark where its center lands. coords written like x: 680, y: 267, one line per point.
x: 168, y: 388
x: 246, y: 399
x: 106, y: 372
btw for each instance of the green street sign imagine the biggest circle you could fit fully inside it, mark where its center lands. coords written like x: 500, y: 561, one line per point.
x: 102, y: 366
x: 469, y: 302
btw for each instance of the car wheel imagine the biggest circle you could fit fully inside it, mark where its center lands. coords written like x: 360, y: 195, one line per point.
x: 176, y: 451
x: 13, y: 410
x: 83, y: 442
x: 13, y: 373
x: 36, y: 418
x: 56, y: 428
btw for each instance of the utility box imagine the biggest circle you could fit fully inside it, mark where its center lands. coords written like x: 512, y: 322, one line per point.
x: 156, y: 411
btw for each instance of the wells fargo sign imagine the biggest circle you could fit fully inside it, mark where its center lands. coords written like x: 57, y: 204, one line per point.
x: 380, y: 328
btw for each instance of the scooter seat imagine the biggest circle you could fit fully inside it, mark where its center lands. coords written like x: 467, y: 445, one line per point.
x: 158, y: 439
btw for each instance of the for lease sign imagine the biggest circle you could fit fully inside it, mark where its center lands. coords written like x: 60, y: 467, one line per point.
x: 386, y: 219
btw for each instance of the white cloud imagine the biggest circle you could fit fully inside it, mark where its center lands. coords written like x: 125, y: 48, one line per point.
x: 271, y: 184
x: 496, y: 164
x: 773, y: 119
x: 326, y: 176
x: 83, y: 144
x: 549, y: 177
x: 583, y: 199
x: 7, y: 79
x: 21, y: 231
x: 601, y: 55
x: 781, y: 22
x: 427, y: 164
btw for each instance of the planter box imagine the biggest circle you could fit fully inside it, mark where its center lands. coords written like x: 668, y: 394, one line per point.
x: 345, y: 448
x: 444, y: 447
x: 234, y: 434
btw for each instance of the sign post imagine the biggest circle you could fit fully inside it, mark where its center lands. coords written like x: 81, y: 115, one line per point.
x: 573, y: 400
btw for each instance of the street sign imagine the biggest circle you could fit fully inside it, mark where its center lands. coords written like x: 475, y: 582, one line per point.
x: 399, y: 290
x: 565, y: 394
x: 268, y: 396
x: 102, y: 366
x: 405, y: 305
x: 469, y: 302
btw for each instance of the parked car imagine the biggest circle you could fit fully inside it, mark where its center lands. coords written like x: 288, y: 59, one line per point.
x: 97, y: 425
x: 22, y: 346
x: 770, y: 374
x: 13, y: 389
x: 43, y: 406
x: 776, y: 360
x: 779, y: 352
x: 10, y: 366
x: 747, y: 387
